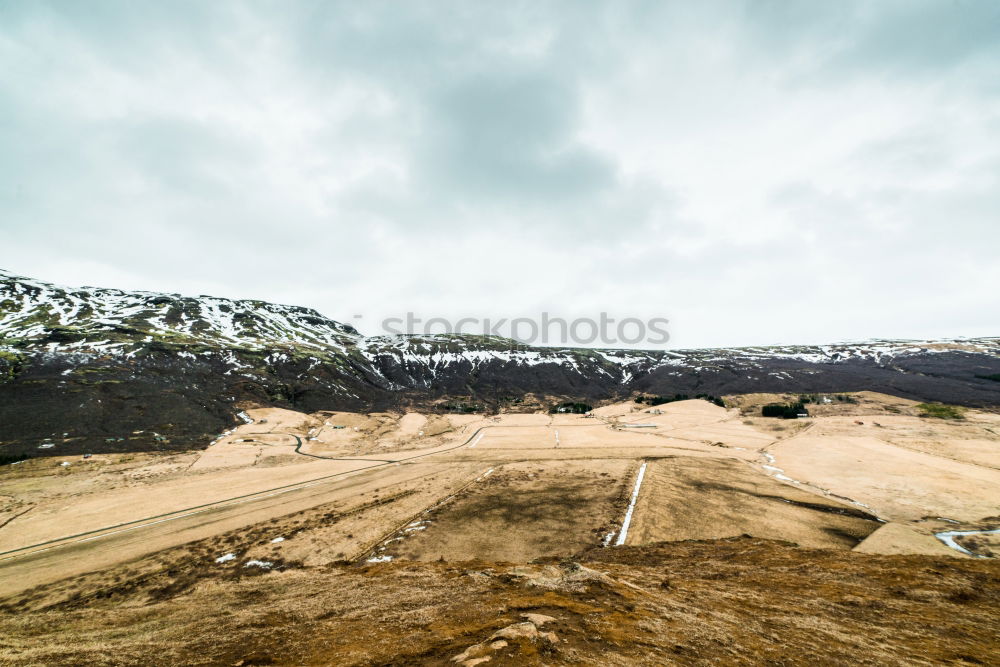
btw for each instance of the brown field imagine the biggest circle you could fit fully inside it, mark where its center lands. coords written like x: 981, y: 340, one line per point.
x: 291, y: 500
x: 695, y: 499
x: 519, y: 512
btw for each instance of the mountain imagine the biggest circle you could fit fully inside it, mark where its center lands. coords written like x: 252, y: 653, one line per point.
x: 90, y: 319
x: 89, y: 367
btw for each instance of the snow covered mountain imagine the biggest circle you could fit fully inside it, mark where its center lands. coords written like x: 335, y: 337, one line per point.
x: 100, y: 362
x: 35, y: 315
x: 113, y: 321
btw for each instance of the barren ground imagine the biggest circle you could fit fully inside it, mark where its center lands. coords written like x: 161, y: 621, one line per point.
x: 115, y: 558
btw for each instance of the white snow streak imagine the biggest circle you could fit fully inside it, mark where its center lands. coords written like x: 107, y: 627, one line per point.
x: 623, y: 533
x: 948, y: 537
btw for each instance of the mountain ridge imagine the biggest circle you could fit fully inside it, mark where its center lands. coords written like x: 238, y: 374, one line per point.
x: 99, y: 362
x: 172, y: 305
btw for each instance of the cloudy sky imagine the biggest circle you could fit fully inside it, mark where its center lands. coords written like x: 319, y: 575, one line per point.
x: 757, y: 172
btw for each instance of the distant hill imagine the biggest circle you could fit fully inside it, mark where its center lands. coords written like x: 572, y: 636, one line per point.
x: 98, y: 364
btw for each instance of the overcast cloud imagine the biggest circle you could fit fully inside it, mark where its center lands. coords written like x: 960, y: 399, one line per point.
x: 757, y: 172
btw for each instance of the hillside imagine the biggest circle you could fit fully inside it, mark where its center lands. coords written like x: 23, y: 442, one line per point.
x: 737, y: 602
x: 90, y: 366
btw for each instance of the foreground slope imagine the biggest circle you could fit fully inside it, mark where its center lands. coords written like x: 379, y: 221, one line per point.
x: 740, y: 601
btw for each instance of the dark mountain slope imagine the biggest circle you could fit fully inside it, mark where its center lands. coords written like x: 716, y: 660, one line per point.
x: 87, y: 367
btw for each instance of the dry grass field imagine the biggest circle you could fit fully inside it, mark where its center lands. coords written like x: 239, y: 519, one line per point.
x: 415, y: 538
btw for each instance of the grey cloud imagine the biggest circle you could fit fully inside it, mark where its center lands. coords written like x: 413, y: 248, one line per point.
x: 464, y: 157
x: 898, y: 38
x: 924, y: 36
x: 189, y: 158
x: 511, y: 137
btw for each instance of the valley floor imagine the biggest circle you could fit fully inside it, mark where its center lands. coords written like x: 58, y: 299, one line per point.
x: 353, y: 538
